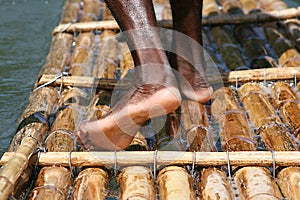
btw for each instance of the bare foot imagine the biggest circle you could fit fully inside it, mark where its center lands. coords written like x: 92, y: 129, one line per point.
x: 116, y: 129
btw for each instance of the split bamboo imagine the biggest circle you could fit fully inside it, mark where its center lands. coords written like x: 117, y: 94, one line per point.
x: 91, y: 183
x: 256, y: 183
x: 71, y: 11
x: 215, y: 185
x: 175, y: 183
x: 136, y: 182
x: 212, y: 20
x: 235, y: 132
x: 194, y: 126
x: 52, y: 183
x: 288, y: 181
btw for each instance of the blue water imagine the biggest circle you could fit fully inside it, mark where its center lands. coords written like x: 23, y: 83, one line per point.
x: 25, y: 36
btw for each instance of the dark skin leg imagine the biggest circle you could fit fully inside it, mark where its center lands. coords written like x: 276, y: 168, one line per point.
x: 189, y: 59
x: 156, y: 92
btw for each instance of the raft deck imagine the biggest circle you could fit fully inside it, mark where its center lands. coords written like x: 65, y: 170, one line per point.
x: 243, y: 144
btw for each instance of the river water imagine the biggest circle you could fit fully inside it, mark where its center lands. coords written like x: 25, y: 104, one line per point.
x: 25, y: 36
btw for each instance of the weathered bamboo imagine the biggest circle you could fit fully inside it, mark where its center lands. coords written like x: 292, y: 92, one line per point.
x: 91, y: 183
x: 277, y: 137
x: 52, y: 183
x: 256, y: 101
x: 235, y: 131
x: 261, y: 112
x: 211, y: 8
x: 214, y: 185
x: 107, y: 60
x: 273, y: 5
x: 106, y: 13
x: 288, y: 55
x: 194, y: 126
x: 287, y: 101
x: 59, y: 54
x: 254, y: 47
x: 213, y: 20
x: 231, y: 6
x: 88, y: 159
x: 228, y: 49
x: 35, y: 116
x: 288, y: 181
x: 256, y: 183
x: 81, y: 61
x: 136, y: 182
x: 91, y: 10
x: 251, y: 6
x: 293, y: 30
x: 175, y: 183
x: 71, y: 11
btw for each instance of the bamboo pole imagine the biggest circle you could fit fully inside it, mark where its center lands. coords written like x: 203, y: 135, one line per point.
x: 288, y: 181
x: 59, y: 54
x: 52, y: 183
x: 82, y: 57
x: 287, y: 101
x: 256, y: 183
x: 71, y: 11
x: 175, y: 183
x: 126, y: 62
x: 263, y: 115
x: 194, y: 126
x: 91, y: 183
x: 136, y: 182
x: 235, y: 131
x: 214, y: 185
x: 88, y: 159
x: 243, y: 76
x: 212, y: 20
x: 91, y: 10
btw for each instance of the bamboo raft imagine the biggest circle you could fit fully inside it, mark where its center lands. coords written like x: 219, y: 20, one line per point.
x: 244, y: 144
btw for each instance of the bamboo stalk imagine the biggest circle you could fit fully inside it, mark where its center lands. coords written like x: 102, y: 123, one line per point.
x: 256, y: 183
x: 273, y: 5
x: 235, y: 131
x: 88, y: 159
x: 251, y: 6
x: 82, y: 57
x: 213, y: 20
x: 52, y: 183
x: 59, y: 54
x: 211, y: 8
x: 91, y: 10
x: 175, y: 183
x: 194, y: 126
x: 256, y: 101
x: 126, y: 62
x: 288, y: 181
x: 243, y: 76
x: 71, y: 11
x: 287, y: 101
x: 214, y: 185
x: 136, y: 182
x: 91, y: 183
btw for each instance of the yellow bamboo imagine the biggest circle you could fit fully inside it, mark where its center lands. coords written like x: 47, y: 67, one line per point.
x: 91, y: 183
x: 175, y: 183
x: 241, y: 158
x: 288, y: 181
x: 136, y: 182
x: 214, y: 185
x: 256, y: 183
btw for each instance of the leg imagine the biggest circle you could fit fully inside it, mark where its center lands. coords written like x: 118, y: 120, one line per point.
x: 187, y: 15
x: 156, y: 91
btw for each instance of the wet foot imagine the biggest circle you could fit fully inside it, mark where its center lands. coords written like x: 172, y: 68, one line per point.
x: 116, y: 129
